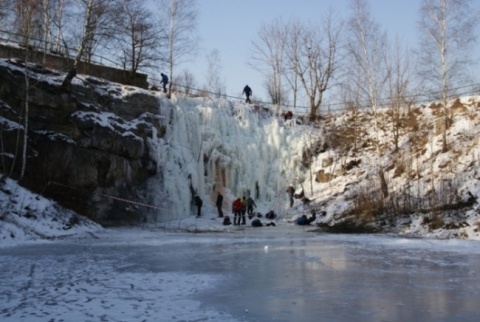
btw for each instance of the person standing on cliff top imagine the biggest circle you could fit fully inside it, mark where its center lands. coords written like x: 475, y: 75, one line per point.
x: 164, y: 82
x: 248, y: 92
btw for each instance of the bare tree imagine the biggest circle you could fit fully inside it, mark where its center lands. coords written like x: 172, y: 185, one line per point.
x: 101, y: 26
x: 278, y: 95
x: 46, y: 27
x: 317, y: 60
x: 57, y: 19
x: 351, y: 103
x: 5, y: 10
x: 215, y: 83
x: 399, y: 81
x: 179, y: 20
x: 293, y: 46
x: 367, y: 50
x: 448, y: 33
x: 268, y: 57
x: 138, y: 38
x: 27, y: 20
x: 186, y: 81
x: 29, y: 13
x: 92, y: 11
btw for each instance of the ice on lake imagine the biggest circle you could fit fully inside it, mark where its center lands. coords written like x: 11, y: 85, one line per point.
x: 263, y: 274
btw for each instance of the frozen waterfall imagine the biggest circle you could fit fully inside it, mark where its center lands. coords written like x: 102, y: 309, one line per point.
x: 213, y: 146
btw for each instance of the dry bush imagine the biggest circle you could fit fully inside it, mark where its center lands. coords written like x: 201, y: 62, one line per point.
x: 349, y: 226
x: 411, y: 121
x: 462, y: 234
x: 458, y: 106
x: 472, y: 115
x: 419, y: 141
x: 341, y: 137
x: 434, y: 221
x: 400, y: 168
x: 327, y: 162
x: 322, y: 176
x: 440, y: 122
x: 368, y: 205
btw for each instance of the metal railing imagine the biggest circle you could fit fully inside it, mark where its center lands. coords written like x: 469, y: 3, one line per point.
x: 55, y: 49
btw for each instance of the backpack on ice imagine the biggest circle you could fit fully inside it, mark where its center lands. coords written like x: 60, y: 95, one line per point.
x: 226, y: 221
x: 257, y: 223
x: 271, y: 215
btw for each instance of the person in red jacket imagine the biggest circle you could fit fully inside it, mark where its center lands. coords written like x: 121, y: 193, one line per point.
x: 244, y: 210
x: 237, y: 211
x: 288, y: 115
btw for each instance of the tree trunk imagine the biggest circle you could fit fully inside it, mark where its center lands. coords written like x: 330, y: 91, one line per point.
x: 68, y: 79
x: 383, y: 183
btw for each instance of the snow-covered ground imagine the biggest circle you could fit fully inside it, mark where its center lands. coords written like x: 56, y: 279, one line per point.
x: 27, y: 217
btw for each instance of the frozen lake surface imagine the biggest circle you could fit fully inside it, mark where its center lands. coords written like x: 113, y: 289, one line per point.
x: 253, y: 274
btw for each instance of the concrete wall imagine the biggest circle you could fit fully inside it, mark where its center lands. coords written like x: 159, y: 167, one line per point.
x: 64, y: 64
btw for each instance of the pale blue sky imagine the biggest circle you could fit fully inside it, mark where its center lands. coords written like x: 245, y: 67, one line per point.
x: 231, y: 25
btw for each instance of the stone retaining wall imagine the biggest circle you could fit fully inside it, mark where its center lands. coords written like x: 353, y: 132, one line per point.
x: 63, y: 64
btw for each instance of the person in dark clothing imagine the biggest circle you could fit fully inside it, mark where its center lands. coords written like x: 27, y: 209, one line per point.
x: 248, y: 92
x: 198, y: 203
x: 250, y: 205
x: 291, y: 193
x: 244, y: 210
x: 303, y: 220
x: 164, y: 82
x: 219, y: 204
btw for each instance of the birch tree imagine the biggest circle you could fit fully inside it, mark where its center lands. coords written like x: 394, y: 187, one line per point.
x: 447, y: 35
x: 58, y: 23
x: 179, y: 20
x: 268, y: 57
x: 292, y: 51
x: 399, y: 81
x: 92, y: 12
x: 215, y: 83
x: 27, y: 20
x: 29, y: 16
x: 186, y: 81
x: 367, y: 49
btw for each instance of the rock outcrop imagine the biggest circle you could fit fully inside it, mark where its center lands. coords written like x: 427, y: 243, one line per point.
x: 85, y: 145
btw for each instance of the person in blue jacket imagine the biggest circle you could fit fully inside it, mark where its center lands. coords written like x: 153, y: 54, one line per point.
x: 303, y: 220
x: 164, y: 82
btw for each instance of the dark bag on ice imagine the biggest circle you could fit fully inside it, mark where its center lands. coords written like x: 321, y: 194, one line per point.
x: 257, y: 223
x: 226, y: 221
x: 302, y: 220
x: 270, y: 215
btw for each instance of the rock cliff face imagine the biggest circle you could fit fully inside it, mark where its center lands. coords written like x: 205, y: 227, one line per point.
x: 85, y: 144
